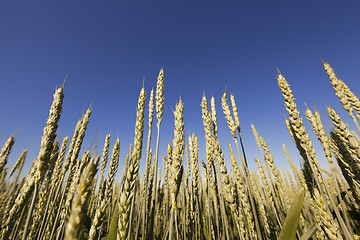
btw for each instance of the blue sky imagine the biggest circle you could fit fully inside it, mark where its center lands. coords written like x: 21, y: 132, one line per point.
x: 108, y: 47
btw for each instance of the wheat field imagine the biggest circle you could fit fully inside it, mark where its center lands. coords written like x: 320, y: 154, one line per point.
x: 67, y: 195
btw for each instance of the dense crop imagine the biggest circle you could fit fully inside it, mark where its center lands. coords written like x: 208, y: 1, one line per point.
x: 61, y: 197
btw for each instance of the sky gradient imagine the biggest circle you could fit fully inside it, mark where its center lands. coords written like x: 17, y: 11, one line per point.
x: 108, y: 47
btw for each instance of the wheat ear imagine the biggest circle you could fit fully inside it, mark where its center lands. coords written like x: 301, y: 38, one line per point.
x: 74, y: 227
x: 105, y: 200
x: 5, y: 151
x: 345, y: 95
x: 41, y: 163
x: 128, y: 190
x: 176, y: 167
x: 159, y: 112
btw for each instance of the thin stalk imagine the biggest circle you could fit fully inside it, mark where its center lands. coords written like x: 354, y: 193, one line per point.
x: 58, y: 213
x: 171, y: 225
x: 156, y: 163
x: 131, y: 212
x: 36, y: 188
x: 201, y: 228
x: 154, y: 192
x: 176, y: 227
x: 356, y: 123
x: 44, y: 218
x: 223, y: 215
x: 217, y: 201
x: 343, y: 207
x: 140, y: 219
x: 209, y: 204
x: 251, y: 195
x: 16, y: 229
x: 345, y: 230
x: 185, y: 208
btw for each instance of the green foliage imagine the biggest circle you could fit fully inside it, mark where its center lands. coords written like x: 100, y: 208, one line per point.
x: 291, y: 223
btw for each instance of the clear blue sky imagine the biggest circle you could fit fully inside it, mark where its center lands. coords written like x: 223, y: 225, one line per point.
x: 107, y: 47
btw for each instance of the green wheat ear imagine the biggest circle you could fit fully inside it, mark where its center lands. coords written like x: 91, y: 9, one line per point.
x: 292, y: 219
